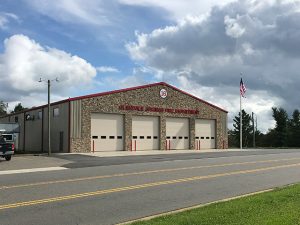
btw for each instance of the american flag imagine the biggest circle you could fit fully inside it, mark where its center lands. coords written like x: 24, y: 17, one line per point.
x: 242, y: 88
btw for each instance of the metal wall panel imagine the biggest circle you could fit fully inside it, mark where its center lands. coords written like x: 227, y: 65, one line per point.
x: 75, y: 119
x: 59, y: 124
x: 33, y: 132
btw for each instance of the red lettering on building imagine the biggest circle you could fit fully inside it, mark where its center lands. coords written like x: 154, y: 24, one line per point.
x: 157, y: 109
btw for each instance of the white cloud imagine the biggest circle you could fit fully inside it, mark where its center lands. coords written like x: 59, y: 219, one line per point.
x: 24, y: 61
x: 92, y: 12
x: 99, y: 12
x: 206, y: 55
x: 5, y: 18
x: 107, y: 69
x: 233, y: 28
x: 178, y: 8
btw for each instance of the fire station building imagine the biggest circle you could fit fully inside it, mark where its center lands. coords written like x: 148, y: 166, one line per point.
x: 150, y: 117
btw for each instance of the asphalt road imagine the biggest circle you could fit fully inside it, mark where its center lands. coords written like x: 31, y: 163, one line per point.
x: 114, y: 190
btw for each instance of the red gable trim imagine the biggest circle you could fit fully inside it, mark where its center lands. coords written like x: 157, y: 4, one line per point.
x: 36, y: 108
x: 144, y: 86
x: 114, y: 92
x: 199, y: 99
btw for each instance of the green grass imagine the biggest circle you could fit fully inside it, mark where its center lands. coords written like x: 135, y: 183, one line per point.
x: 278, y: 207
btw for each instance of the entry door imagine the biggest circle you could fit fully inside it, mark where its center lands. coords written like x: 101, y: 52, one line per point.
x: 177, y: 133
x: 145, y: 133
x: 205, y: 134
x: 107, y: 132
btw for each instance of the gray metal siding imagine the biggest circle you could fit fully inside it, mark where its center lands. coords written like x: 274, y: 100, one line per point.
x: 4, y: 119
x: 33, y: 132
x: 75, y: 119
x: 58, y: 124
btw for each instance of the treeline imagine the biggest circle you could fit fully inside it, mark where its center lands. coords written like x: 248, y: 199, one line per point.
x: 4, y: 111
x: 285, y: 134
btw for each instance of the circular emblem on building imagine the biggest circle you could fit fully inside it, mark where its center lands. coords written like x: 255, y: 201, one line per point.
x: 163, y: 93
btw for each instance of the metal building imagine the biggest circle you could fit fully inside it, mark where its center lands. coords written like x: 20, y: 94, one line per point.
x: 154, y: 116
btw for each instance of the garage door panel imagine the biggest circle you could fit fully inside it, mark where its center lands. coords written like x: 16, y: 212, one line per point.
x: 107, y: 131
x: 145, y: 133
x: 177, y: 133
x: 205, y: 134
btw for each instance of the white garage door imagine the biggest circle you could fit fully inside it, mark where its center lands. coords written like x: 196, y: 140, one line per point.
x: 107, y: 132
x: 205, y: 134
x: 177, y: 133
x: 145, y: 133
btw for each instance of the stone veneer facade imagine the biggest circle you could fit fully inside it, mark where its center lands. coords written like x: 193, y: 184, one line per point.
x: 148, y: 96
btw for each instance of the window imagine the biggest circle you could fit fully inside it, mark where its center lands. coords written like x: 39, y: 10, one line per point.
x: 212, y: 137
x: 168, y: 137
x: 207, y: 137
x: 103, y: 137
x: 16, y: 119
x: 174, y: 137
x: 186, y: 137
x: 142, y: 137
x: 154, y: 137
x: 148, y: 137
x: 55, y: 112
x: 197, y: 137
x: 134, y: 137
x: 119, y: 137
x: 111, y: 137
x: 40, y: 115
x: 8, y: 137
x: 95, y: 137
x: 180, y: 137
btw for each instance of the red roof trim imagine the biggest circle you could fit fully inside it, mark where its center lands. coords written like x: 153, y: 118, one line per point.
x: 144, y: 86
x: 36, y: 108
x: 114, y: 92
x: 199, y: 99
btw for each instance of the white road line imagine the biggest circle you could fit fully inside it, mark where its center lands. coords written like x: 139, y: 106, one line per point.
x: 5, y: 172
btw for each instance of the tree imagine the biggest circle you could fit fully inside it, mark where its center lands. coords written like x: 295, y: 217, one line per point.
x: 268, y: 139
x: 231, y: 139
x: 281, y: 118
x: 294, y: 130
x: 259, y: 139
x: 3, y: 108
x: 246, y: 129
x: 18, y: 108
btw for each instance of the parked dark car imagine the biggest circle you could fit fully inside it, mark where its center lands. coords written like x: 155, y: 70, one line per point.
x: 6, y: 149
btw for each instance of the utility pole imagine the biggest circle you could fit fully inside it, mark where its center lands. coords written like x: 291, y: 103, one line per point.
x: 253, y: 129
x: 49, y: 113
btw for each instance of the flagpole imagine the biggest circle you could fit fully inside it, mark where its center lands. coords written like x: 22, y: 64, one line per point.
x: 241, y: 124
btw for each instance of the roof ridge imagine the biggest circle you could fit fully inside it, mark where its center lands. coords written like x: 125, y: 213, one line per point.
x: 118, y: 91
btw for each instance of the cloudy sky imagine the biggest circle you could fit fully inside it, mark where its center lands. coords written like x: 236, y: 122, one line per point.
x: 198, y: 46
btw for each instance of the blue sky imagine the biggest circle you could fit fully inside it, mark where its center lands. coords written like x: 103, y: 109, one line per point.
x: 198, y: 46
x: 102, y: 45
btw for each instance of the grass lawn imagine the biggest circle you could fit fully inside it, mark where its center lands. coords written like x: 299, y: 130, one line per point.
x: 281, y: 206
